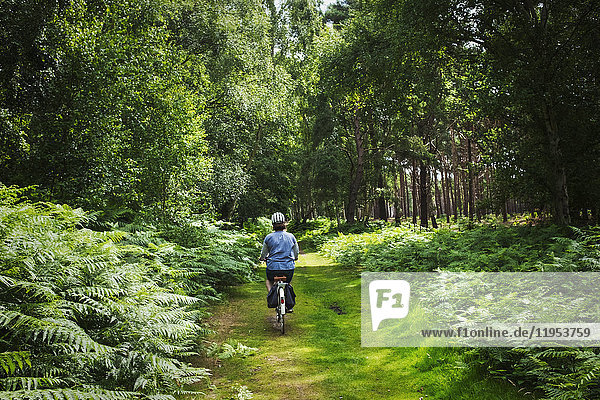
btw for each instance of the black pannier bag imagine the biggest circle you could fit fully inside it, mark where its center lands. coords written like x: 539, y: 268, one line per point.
x: 272, y: 297
x: 290, y: 297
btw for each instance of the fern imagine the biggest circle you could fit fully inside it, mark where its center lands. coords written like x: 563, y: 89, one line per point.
x: 68, y: 394
x: 13, y: 361
x: 15, y: 383
x: 104, y: 315
x: 229, y: 350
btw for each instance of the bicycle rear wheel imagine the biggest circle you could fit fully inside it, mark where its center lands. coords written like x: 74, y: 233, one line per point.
x: 280, y: 322
x: 281, y: 308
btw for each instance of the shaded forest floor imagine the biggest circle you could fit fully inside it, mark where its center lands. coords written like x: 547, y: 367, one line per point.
x: 320, y: 356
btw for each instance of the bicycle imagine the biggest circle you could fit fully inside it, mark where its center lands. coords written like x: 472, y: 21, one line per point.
x: 280, y: 309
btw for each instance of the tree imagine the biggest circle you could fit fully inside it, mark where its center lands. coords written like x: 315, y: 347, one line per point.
x: 541, y: 64
x: 118, y: 122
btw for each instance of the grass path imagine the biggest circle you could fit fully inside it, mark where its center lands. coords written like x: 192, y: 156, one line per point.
x: 320, y: 356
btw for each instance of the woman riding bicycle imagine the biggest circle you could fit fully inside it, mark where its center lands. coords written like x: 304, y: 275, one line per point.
x: 280, y: 250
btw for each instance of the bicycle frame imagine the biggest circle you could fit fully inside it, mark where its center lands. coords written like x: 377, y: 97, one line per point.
x: 281, y: 303
x: 281, y: 295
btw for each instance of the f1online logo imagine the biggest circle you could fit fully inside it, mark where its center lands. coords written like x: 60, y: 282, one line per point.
x: 388, y: 299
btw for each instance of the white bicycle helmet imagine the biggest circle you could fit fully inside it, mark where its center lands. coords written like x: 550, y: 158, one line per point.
x: 277, y: 218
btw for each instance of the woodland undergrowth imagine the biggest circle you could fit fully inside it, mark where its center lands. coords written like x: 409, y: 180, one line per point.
x: 107, y: 314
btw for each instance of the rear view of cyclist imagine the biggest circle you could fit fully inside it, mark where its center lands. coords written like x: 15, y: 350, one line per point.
x: 280, y: 250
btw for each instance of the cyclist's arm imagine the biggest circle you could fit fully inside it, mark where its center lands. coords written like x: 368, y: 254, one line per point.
x: 295, y: 251
x: 265, y: 252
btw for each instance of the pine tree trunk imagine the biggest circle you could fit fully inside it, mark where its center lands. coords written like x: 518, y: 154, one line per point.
x: 424, y: 195
x: 397, y: 199
x: 359, y: 171
x: 444, y: 194
x: 560, y: 197
x: 381, y: 205
x: 406, y: 193
x: 457, y: 203
x: 455, y: 172
x: 470, y: 172
x: 438, y: 196
x: 448, y: 195
x: 414, y: 193
x: 432, y: 207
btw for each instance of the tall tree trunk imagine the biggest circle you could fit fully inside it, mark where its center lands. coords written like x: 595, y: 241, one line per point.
x: 356, y: 182
x: 481, y: 211
x: 445, y: 193
x: 455, y: 173
x: 450, y: 194
x: 366, y: 213
x: 437, y: 194
x: 397, y: 198
x: 381, y: 206
x: 470, y: 171
x: 560, y: 197
x: 488, y: 185
x: 405, y: 204
x: 465, y: 193
x: 457, y: 202
x: 414, y: 193
x: 424, y: 194
x: 432, y: 207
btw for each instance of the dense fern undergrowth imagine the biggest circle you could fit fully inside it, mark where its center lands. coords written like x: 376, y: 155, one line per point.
x: 550, y: 373
x: 111, y: 314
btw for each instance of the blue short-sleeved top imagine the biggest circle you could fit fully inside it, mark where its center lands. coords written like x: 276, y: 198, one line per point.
x: 282, y: 250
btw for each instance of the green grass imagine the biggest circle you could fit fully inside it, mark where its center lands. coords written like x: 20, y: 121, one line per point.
x: 320, y: 357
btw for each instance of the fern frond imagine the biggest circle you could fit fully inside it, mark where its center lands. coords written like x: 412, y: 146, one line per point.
x: 167, y: 299
x: 163, y: 396
x: 174, y: 331
x: 97, y: 292
x: 6, y: 281
x: 13, y: 361
x: 14, y: 383
x: 67, y: 394
x: 87, y: 307
x: 33, y: 291
x: 175, y: 316
x: 114, y: 236
x: 50, y: 331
